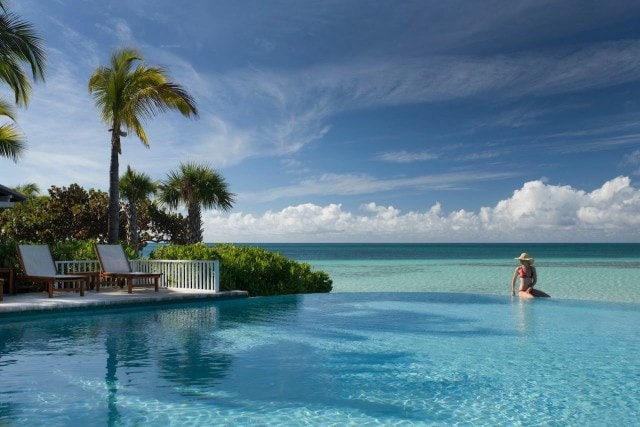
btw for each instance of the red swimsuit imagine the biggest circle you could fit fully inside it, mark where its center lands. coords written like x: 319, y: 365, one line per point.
x: 523, y: 272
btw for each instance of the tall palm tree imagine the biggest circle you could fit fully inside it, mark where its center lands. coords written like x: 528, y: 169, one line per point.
x: 19, y: 45
x: 135, y: 187
x: 196, y: 186
x: 126, y: 93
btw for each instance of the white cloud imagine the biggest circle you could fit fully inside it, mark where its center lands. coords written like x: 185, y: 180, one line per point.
x: 264, y: 112
x: 634, y: 160
x: 288, y: 110
x: 404, y: 156
x: 352, y: 184
x: 537, y: 212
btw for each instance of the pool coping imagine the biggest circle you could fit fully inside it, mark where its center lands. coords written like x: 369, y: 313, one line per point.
x: 107, y: 298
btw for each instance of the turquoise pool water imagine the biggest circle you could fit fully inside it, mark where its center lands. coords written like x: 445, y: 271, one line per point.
x: 334, y: 359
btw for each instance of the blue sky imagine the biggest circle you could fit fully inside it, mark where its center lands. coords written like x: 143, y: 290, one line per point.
x: 360, y: 121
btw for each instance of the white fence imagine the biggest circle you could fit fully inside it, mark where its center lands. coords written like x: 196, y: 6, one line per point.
x: 201, y: 275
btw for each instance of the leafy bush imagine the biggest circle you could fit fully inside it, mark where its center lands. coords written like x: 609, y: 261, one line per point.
x: 195, y: 252
x: 252, y: 269
x: 73, y: 213
x: 8, y: 254
x: 73, y: 250
x: 80, y: 250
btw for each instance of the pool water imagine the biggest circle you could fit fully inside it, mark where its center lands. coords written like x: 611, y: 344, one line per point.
x: 326, y: 359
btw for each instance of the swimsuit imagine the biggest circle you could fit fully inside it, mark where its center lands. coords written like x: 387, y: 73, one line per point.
x: 523, y: 272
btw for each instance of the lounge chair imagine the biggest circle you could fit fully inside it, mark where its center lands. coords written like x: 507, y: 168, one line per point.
x: 114, y: 264
x: 38, y: 266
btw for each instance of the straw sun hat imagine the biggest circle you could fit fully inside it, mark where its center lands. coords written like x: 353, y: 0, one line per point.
x: 525, y: 257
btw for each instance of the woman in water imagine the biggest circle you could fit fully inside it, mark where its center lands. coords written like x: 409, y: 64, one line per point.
x: 528, y: 278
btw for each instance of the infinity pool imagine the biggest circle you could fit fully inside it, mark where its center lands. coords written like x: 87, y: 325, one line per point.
x: 330, y: 359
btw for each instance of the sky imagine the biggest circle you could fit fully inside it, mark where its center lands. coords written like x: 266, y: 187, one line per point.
x: 362, y: 121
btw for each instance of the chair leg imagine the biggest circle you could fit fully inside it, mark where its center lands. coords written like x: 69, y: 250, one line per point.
x: 129, y: 284
x: 156, y: 283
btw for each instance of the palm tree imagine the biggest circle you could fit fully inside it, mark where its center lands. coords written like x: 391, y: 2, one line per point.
x: 30, y: 190
x: 196, y: 186
x: 135, y: 187
x: 19, y: 44
x: 126, y: 93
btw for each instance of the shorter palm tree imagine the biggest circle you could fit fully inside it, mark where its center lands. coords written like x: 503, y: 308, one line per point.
x: 12, y: 144
x: 30, y: 190
x: 196, y: 186
x: 135, y: 187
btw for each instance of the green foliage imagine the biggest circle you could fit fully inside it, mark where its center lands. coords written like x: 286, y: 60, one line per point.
x: 76, y: 214
x: 8, y: 254
x: 253, y: 269
x: 74, y: 250
x: 82, y: 250
x: 156, y: 225
x: 66, y: 214
x: 196, y: 186
x: 195, y: 252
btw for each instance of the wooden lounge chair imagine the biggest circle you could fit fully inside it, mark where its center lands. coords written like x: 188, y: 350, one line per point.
x: 38, y: 266
x: 114, y: 264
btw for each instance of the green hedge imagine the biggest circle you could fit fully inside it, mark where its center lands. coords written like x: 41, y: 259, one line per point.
x: 252, y: 269
x: 74, y: 250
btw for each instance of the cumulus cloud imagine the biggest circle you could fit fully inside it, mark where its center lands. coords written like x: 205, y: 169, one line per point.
x: 537, y: 212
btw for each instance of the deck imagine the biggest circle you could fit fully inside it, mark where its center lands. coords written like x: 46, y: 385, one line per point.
x: 106, y: 298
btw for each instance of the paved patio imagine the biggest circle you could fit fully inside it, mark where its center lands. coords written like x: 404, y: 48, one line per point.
x: 107, y: 297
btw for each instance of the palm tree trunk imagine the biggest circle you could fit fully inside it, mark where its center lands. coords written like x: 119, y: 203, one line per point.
x: 114, y: 193
x: 194, y: 219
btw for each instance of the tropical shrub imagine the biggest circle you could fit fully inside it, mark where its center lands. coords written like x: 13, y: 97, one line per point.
x: 8, y: 254
x: 82, y: 250
x: 252, y: 269
x: 73, y: 213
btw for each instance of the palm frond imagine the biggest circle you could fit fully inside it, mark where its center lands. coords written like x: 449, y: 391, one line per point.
x: 14, y: 76
x: 12, y: 144
x: 135, y: 186
x: 20, y: 44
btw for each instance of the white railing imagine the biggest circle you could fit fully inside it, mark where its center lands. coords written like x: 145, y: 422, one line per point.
x: 70, y: 267
x: 201, y: 275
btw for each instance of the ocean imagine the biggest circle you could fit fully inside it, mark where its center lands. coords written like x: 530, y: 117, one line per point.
x: 596, y: 272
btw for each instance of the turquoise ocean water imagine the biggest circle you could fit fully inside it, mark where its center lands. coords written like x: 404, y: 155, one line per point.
x: 598, y: 272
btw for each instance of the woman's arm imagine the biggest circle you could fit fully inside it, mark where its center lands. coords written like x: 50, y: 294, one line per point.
x: 513, y: 282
